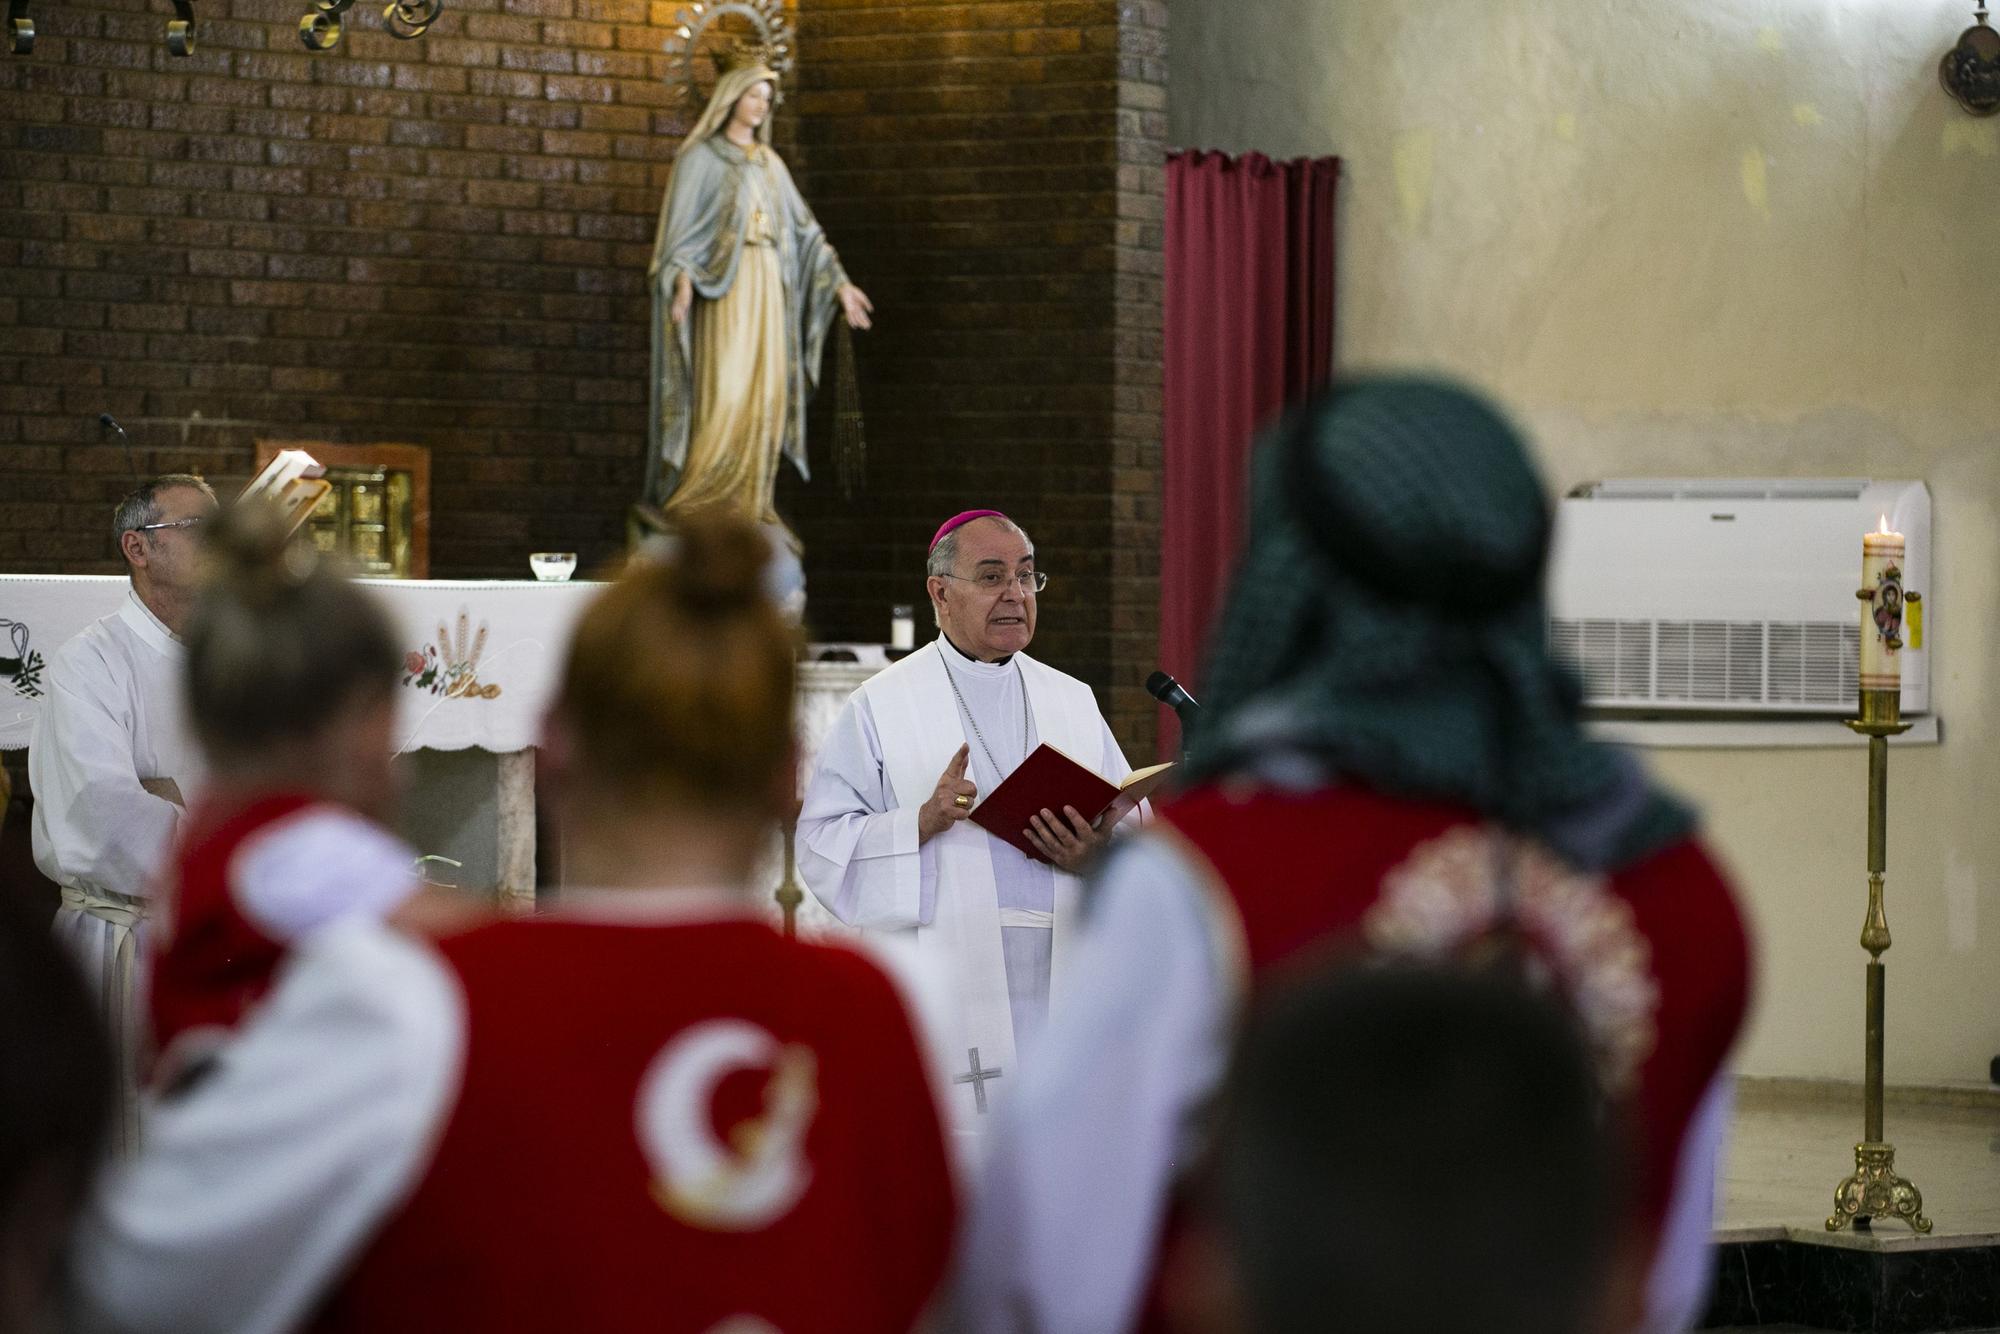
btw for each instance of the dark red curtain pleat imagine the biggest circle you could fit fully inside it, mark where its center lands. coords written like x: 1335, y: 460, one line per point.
x: 1249, y: 331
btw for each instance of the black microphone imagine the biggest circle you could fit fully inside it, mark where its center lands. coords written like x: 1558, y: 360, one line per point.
x: 1172, y: 694
x: 105, y: 419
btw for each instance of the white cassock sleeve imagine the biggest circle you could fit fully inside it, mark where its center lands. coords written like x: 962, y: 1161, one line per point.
x: 95, y: 826
x: 858, y: 855
x: 1080, y: 1159
x: 257, y: 1186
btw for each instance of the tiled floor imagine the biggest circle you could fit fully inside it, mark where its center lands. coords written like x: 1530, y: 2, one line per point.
x: 1794, y: 1142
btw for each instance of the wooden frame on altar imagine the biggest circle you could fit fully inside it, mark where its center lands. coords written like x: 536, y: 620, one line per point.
x: 379, y: 512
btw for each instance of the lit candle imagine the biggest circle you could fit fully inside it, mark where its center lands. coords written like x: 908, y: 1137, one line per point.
x: 1882, y: 609
x: 902, y: 627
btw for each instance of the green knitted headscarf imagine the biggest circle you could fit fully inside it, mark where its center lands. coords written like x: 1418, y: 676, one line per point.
x: 1387, y: 621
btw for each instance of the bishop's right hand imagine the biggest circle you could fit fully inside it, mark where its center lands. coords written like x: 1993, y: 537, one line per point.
x: 951, y: 801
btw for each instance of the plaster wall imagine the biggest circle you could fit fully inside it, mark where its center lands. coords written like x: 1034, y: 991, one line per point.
x: 1708, y: 237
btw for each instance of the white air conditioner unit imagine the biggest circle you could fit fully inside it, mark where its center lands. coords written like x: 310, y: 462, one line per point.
x: 1735, y: 596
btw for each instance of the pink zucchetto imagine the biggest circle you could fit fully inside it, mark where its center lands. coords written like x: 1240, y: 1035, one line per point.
x: 958, y: 521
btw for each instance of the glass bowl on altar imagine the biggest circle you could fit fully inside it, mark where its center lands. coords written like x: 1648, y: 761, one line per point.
x: 552, y: 567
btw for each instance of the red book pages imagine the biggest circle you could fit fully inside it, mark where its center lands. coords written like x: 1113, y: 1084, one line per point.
x: 1051, y: 780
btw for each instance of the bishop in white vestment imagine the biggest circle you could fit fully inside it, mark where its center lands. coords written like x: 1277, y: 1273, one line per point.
x: 883, y: 837
x: 111, y: 760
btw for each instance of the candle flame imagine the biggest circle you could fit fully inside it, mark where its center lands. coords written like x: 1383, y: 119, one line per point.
x: 1883, y: 526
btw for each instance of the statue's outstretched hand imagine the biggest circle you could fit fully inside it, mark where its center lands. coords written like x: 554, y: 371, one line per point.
x: 683, y: 298
x: 854, y: 303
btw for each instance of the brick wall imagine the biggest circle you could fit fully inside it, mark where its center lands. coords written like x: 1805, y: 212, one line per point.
x: 443, y: 242
x: 991, y: 174
x: 440, y: 242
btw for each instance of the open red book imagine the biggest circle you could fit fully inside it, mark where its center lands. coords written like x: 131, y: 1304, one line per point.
x: 1051, y: 780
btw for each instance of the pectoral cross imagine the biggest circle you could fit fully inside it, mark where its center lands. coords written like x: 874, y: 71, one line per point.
x: 977, y: 1077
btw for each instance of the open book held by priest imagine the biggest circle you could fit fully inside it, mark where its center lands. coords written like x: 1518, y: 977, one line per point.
x: 1050, y: 780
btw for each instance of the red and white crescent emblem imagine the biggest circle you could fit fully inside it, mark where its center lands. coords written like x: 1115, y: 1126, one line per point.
x: 753, y: 1180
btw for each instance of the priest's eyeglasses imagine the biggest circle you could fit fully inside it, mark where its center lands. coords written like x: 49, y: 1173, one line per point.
x: 992, y: 581
x: 195, y: 521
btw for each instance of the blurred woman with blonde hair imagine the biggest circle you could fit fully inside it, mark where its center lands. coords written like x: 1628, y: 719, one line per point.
x: 644, y: 1110
x: 290, y: 693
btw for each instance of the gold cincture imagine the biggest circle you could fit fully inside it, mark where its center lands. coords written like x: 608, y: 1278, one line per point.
x: 1875, y: 1191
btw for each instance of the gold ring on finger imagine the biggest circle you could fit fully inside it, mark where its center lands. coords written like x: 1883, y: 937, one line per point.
x: 962, y: 801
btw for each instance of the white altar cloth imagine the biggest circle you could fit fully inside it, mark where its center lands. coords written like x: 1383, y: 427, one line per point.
x: 480, y: 656
x: 481, y: 660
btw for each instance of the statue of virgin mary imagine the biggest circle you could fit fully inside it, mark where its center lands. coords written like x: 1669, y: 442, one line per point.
x: 745, y: 290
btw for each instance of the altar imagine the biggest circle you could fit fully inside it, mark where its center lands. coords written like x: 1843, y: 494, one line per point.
x: 481, y: 661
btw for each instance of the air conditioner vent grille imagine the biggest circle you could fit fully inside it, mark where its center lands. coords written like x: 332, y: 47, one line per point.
x: 1814, y: 662
x: 1615, y: 658
x: 1741, y: 664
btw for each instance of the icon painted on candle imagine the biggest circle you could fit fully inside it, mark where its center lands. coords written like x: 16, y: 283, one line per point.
x: 1889, y: 606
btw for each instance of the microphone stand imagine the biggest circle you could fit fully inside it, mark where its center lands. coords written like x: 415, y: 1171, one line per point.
x: 1175, y: 696
x: 106, y: 421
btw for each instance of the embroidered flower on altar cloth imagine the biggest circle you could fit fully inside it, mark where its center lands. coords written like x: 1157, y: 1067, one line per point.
x: 1446, y: 899
x: 19, y: 664
x: 450, y: 667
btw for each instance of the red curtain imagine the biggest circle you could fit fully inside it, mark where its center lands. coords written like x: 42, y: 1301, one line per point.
x: 1249, y: 331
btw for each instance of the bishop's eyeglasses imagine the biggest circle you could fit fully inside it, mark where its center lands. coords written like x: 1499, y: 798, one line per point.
x: 195, y: 521
x: 992, y: 581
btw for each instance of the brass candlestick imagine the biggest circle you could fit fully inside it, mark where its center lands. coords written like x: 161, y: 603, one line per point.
x: 1875, y: 1191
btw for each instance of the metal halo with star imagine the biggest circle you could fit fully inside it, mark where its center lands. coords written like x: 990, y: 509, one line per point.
x: 773, y: 45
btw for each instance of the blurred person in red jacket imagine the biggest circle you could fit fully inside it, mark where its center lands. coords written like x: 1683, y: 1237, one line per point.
x: 1391, y: 758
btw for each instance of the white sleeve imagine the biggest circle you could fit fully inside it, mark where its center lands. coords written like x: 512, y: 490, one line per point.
x: 94, y: 825
x: 1677, y: 1289
x: 1082, y: 1156
x: 257, y: 1186
x: 316, y: 866
x: 860, y: 857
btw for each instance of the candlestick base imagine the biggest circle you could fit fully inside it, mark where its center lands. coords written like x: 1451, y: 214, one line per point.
x: 1875, y: 1191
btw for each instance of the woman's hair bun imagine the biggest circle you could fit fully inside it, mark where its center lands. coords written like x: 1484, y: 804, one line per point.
x: 719, y: 565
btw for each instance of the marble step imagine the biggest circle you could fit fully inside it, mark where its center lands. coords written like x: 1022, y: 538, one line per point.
x: 1896, y: 1284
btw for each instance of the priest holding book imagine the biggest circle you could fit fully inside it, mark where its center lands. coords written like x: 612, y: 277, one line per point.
x: 890, y: 837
